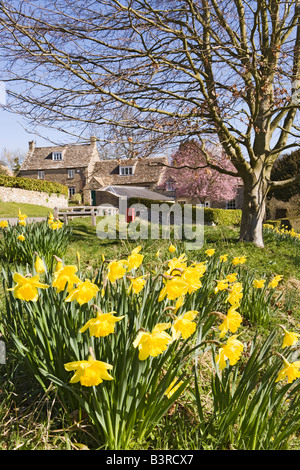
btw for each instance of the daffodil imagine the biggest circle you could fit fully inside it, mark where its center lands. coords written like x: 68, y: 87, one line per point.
x: 172, y: 248
x: 275, y: 281
x: 116, y: 270
x: 39, y: 265
x: 102, y: 325
x: 3, y: 223
x: 289, y: 370
x: 173, y: 387
x: 173, y: 289
x: 210, y: 252
x: 22, y: 222
x: 290, y: 338
x: 83, y: 292
x: 135, y: 259
x: 21, y: 237
x: 259, y: 283
x: 176, y: 265
x: 235, y: 293
x: 223, y: 258
x: 221, y: 285
x: 137, y: 285
x: 231, y: 277
x: 239, y: 260
x: 231, y: 322
x: 231, y: 352
x: 64, y: 276
x: 191, y: 276
x: 89, y: 373
x: 154, y: 343
x: 183, y: 325
x: 21, y: 216
x: 27, y: 287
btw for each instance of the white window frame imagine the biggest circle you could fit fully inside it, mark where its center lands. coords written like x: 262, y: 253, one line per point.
x: 231, y: 204
x: 41, y: 175
x: 57, y: 156
x: 71, y: 191
x: 71, y: 173
x: 126, y: 170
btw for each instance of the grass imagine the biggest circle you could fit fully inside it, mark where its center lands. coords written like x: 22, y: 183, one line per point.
x: 10, y: 209
x: 29, y: 419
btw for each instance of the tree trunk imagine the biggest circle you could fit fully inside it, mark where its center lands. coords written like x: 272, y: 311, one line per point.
x: 253, y: 212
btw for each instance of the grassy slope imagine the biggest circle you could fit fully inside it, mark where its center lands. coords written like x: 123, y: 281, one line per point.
x: 10, y: 209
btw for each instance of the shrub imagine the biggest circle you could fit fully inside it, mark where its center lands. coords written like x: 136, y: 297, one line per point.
x: 32, y: 184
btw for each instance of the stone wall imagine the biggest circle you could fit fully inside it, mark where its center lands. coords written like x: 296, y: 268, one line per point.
x: 60, y: 175
x: 32, y: 197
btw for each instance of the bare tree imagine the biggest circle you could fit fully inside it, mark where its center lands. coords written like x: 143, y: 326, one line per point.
x: 221, y: 70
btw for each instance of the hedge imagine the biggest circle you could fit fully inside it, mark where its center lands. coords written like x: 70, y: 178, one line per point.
x: 32, y: 184
x: 226, y: 217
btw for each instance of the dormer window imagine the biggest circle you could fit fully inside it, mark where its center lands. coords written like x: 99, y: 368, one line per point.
x: 170, y: 186
x: 56, y: 156
x: 126, y: 170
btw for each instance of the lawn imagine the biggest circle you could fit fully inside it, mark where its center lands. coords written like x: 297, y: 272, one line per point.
x: 33, y: 419
x: 10, y: 209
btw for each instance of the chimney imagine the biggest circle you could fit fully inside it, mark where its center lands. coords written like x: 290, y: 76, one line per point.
x: 93, y: 140
x: 31, y: 146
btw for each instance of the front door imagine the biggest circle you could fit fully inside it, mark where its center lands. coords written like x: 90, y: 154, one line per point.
x: 93, y: 198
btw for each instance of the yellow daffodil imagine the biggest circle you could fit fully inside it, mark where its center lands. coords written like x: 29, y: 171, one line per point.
x: 275, y: 281
x: 235, y: 293
x: 191, y: 276
x: 116, y: 270
x: 176, y: 265
x: 239, y: 260
x: 137, y: 285
x: 221, y: 285
x: 21, y: 216
x: 22, y: 222
x: 83, y: 293
x: 21, y: 237
x: 231, y: 351
x: 154, y: 343
x: 290, y: 338
x: 65, y: 276
x: 289, y: 370
x: 27, y: 287
x: 157, y: 254
x: 172, y: 248
x: 102, y: 325
x: 39, y: 265
x: 172, y: 388
x: 89, y: 373
x: 210, y: 252
x: 259, y: 283
x: 135, y: 259
x: 179, y: 303
x: 231, y: 277
x: 3, y: 223
x: 184, y: 325
x: 223, y: 258
x: 59, y: 266
x: 173, y: 289
x: 231, y: 322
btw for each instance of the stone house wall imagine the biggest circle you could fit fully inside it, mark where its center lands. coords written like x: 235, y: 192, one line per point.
x: 60, y: 175
x: 38, y: 198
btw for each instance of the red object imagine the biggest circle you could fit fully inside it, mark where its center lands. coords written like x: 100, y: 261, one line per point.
x: 130, y: 215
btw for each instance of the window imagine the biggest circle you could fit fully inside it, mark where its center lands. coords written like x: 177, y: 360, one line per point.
x: 72, y: 191
x: 56, y: 155
x: 126, y: 170
x: 170, y: 186
x: 41, y: 175
x: 231, y: 204
x: 71, y: 173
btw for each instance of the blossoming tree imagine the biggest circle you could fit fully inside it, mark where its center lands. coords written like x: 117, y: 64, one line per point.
x: 195, y: 179
x: 194, y: 68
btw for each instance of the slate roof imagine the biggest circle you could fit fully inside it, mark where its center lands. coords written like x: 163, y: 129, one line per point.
x: 74, y: 156
x: 135, y: 191
x: 145, y: 171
